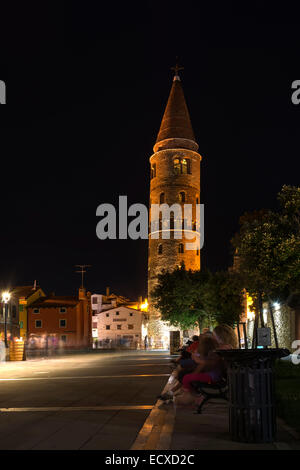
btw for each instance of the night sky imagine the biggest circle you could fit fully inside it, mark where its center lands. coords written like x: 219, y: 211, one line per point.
x: 86, y: 89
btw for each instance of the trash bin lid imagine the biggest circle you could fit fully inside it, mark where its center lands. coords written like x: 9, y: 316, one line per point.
x: 248, y: 356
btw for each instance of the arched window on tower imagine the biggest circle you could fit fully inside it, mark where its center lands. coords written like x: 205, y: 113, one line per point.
x: 181, y: 248
x: 182, y: 196
x: 177, y: 166
x: 153, y: 170
x: 182, y: 166
x: 160, y: 249
x: 197, y: 199
x: 162, y: 198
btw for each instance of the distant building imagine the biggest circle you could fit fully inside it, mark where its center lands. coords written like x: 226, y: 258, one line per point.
x: 24, y: 296
x: 122, y: 326
x: 66, y: 320
x: 102, y: 303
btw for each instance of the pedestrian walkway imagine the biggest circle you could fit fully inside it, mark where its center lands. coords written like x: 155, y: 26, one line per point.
x: 168, y: 428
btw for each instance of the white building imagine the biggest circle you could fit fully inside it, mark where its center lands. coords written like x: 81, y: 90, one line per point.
x: 122, y: 326
x: 96, y: 303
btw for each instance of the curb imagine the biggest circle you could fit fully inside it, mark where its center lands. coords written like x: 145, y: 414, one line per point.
x: 157, y: 430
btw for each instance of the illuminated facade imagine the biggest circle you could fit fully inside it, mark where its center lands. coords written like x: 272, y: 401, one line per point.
x: 175, y: 178
x: 26, y: 295
x: 60, y: 319
x: 122, y: 326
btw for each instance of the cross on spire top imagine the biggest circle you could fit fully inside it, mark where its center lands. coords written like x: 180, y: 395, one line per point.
x: 176, y: 69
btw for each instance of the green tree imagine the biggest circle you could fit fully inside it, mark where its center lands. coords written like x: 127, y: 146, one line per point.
x: 198, y: 298
x: 176, y: 296
x: 226, y: 300
x: 268, y: 248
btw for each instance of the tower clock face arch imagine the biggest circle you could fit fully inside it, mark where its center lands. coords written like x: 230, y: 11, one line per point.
x: 174, y: 178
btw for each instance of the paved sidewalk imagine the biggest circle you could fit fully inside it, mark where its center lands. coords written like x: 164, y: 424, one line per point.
x: 167, y: 428
x: 210, y: 431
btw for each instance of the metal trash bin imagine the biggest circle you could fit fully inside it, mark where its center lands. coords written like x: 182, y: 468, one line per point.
x: 252, y: 412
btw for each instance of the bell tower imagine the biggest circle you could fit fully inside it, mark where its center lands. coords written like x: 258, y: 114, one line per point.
x: 175, y: 178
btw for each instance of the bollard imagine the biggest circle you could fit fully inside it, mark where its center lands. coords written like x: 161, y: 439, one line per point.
x: 16, y: 350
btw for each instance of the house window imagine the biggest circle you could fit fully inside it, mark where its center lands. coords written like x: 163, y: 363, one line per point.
x: 62, y: 310
x: 107, y: 327
x: 21, y: 308
x: 130, y: 314
x: 162, y: 198
x: 107, y: 314
x: 182, y: 196
x: 197, y: 252
x: 119, y: 327
x: 62, y: 323
x: 38, y: 323
x: 117, y: 313
x: 36, y: 310
x: 21, y: 324
x: 160, y: 249
x: 130, y: 327
x: 180, y: 248
x: 94, y: 300
x: 197, y: 199
x: 153, y: 170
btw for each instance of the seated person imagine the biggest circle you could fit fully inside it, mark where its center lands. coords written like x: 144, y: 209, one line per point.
x: 194, y: 345
x: 211, y: 368
x: 198, y: 356
x: 209, y: 365
x: 225, y: 337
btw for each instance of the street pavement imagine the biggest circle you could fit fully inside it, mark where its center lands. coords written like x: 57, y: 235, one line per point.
x: 109, y: 401
x: 87, y: 401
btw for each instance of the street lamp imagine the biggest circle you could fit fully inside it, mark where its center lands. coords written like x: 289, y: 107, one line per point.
x: 5, y: 299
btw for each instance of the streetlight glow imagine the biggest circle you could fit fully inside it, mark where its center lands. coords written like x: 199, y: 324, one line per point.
x: 5, y: 297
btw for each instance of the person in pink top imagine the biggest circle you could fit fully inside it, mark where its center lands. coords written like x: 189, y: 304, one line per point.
x: 210, y: 366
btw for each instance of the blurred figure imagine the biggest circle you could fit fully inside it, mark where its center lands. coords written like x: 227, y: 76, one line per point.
x: 31, y: 342
x: 146, y: 342
x: 193, y: 347
x: 226, y: 337
x: 2, y: 349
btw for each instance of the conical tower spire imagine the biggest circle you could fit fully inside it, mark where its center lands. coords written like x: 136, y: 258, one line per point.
x: 176, y: 128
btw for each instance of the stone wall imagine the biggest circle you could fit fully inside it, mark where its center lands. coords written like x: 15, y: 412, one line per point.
x: 285, y: 324
x: 171, y: 184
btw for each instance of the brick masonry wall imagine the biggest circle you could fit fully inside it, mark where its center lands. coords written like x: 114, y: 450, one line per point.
x: 167, y: 182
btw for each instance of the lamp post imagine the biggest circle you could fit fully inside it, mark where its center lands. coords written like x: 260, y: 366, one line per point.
x: 5, y: 299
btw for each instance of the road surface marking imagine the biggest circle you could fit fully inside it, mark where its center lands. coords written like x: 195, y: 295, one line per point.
x: 84, y: 377
x: 157, y: 430
x: 77, y: 408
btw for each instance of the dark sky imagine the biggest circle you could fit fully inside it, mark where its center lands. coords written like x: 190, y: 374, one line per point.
x: 87, y: 84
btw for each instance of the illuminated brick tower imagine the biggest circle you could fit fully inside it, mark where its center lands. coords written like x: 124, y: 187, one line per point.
x: 175, y: 178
